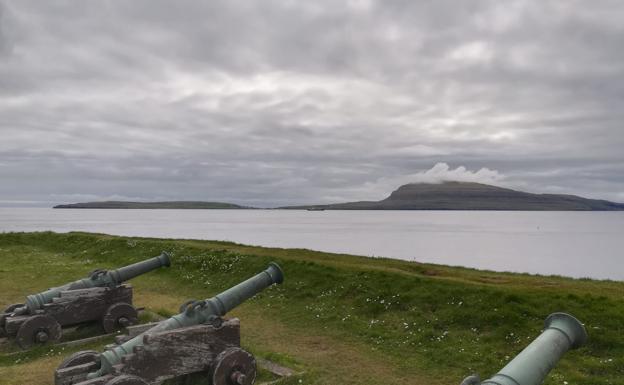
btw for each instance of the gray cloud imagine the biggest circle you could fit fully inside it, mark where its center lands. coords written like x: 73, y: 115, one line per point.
x: 284, y: 102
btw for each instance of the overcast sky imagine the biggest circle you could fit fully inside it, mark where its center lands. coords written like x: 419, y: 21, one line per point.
x: 283, y: 102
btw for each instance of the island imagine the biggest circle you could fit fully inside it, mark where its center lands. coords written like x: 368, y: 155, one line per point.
x: 414, y: 196
x: 151, y: 205
x: 469, y: 196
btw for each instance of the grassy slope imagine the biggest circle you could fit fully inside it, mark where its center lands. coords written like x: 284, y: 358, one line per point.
x: 343, y: 319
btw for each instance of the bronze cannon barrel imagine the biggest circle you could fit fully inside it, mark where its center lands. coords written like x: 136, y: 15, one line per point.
x: 562, y: 332
x: 99, y: 278
x: 126, y: 273
x: 196, y: 313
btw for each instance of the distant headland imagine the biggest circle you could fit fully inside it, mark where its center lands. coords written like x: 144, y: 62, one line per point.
x: 414, y: 196
x: 470, y: 196
x: 151, y: 205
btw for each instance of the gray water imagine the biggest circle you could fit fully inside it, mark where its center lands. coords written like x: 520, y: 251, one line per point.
x: 576, y: 244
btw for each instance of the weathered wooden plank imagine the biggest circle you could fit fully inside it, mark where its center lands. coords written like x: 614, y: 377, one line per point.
x: 169, y: 354
x: 12, y: 324
x: 75, y: 307
x: 77, y: 374
x: 86, y: 340
x: 84, y: 305
x: 96, y: 381
x: 74, y: 374
x: 178, y: 352
x: 275, y: 368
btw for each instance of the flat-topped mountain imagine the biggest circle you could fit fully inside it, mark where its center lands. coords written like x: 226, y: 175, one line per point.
x: 470, y: 196
x: 151, y: 205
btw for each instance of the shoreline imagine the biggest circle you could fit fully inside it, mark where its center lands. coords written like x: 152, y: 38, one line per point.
x: 269, y: 248
x: 275, y: 249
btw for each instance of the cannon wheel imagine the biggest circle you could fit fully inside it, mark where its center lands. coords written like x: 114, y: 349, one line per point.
x: 118, y: 316
x: 79, y: 358
x: 234, y: 366
x: 38, y: 329
x: 127, y: 380
x: 10, y: 308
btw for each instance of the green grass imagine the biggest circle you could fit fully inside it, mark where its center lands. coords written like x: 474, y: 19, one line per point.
x: 340, y: 319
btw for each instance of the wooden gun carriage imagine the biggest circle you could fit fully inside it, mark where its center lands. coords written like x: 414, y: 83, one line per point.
x: 102, y: 297
x: 195, y: 343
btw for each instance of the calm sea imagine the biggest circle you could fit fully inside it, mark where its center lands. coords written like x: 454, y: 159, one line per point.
x: 577, y: 244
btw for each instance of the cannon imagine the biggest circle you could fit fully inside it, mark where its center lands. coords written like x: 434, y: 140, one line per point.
x: 102, y: 296
x: 197, y: 342
x: 562, y: 332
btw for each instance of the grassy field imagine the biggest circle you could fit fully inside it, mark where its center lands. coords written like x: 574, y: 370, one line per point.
x: 340, y: 319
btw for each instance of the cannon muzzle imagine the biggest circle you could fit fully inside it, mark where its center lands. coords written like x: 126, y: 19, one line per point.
x: 232, y: 297
x: 128, y: 272
x: 196, y: 313
x: 562, y: 332
x: 99, y: 278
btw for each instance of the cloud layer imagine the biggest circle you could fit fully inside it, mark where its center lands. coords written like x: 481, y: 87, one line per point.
x: 441, y: 172
x: 284, y: 102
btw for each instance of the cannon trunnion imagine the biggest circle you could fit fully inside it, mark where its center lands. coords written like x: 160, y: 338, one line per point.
x: 102, y: 297
x: 198, y: 342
